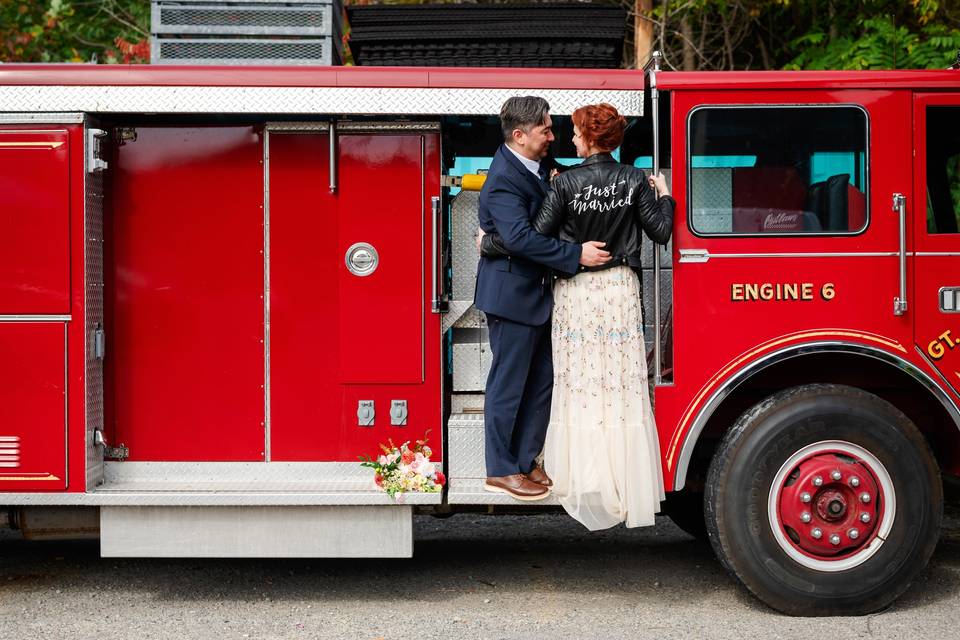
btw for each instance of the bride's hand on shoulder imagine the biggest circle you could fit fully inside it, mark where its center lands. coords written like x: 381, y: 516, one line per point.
x: 659, y: 183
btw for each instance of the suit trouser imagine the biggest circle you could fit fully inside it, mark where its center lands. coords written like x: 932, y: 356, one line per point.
x: 519, y: 390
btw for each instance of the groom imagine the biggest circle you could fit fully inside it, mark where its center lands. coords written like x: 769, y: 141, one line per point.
x: 515, y: 293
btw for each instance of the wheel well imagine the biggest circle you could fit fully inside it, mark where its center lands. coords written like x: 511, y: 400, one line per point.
x: 883, y: 379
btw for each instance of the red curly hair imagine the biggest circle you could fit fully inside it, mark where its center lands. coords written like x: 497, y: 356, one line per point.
x: 600, y: 125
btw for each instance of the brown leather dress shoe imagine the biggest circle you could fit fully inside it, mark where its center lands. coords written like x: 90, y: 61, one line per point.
x: 516, y: 486
x: 538, y: 475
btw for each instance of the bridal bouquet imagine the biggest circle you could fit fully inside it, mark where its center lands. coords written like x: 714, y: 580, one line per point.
x: 405, y: 468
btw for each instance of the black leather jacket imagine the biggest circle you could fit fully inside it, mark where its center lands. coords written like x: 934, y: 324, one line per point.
x: 600, y: 199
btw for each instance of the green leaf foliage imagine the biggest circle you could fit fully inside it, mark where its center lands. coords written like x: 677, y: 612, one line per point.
x: 74, y: 31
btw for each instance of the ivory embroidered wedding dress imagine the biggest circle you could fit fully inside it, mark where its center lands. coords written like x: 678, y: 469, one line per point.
x: 601, y: 446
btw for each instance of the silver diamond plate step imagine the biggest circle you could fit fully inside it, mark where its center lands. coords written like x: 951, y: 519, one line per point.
x: 471, y: 491
x: 466, y: 465
x: 229, y: 484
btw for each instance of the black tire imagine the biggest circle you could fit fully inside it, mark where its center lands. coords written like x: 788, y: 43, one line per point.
x: 685, y: 509
x: 753, y: 452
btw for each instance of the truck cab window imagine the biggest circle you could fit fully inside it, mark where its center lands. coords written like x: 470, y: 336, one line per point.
x: 777, y: 170
x: 943, y: 169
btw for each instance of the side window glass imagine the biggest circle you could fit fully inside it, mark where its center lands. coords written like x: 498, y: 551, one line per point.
x: 778, y: 170
x: 943, y: 169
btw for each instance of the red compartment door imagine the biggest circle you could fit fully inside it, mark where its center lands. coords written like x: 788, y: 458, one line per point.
x: 187, y: 326
x: 337, y: 338
x: 34, y: 222
x: 33, y: 433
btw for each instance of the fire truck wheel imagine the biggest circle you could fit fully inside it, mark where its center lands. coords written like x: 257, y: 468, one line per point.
x: 685, y: 509
x: 824, y: 500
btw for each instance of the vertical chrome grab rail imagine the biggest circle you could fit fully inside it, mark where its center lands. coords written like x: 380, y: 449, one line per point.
x: 333, y: 156
x: 653, y: 69
x: 900, y: 207
x: 434, y: 250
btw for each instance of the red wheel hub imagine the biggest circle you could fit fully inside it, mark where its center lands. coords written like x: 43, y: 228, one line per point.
x: 830, y: 505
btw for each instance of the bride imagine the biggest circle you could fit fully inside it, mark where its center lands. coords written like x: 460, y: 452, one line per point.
x: 601, y: 446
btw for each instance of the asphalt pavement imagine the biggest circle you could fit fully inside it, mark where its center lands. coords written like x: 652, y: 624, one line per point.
x: 472, y: 576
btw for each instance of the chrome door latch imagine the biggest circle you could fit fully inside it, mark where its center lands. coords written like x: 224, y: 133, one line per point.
x: 398, y: 413
x: 366, y: 413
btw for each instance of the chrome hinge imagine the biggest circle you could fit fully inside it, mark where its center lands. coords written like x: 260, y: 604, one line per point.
x: 99, y: 343
x: 113, y: 453
x: 95, y: 154
x: 124, y: 135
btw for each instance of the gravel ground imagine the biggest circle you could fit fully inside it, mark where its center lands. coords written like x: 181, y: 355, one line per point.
x: 473, y: 576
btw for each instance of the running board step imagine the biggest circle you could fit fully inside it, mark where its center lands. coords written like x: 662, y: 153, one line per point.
x: 257, y: 532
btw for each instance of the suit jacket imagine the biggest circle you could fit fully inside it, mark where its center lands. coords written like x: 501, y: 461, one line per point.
x: 517, y: 287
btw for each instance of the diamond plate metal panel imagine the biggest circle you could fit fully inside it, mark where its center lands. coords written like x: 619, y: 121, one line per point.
x: 463, y: 214
x: 471, y: 403
x: 93, y: 319
x: 304, y: 100
x: 456, y: 310
x: 212, y: 484
x: 465, y: 445
x: 471, y: 491
x: 712, y: 200
x: 472, y: 318
x: 471, y: 363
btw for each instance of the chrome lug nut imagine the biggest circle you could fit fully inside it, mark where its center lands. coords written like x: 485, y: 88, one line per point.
x: 864, y: 497
x: 834, y: 539
x: 836, y: 475
x: 853, y: 534
x: 805, y: 497
x: 854, y: 482
x: 817, y: 481
x: 864, y: 518
x: 816, y: 533
x: 805, y: 517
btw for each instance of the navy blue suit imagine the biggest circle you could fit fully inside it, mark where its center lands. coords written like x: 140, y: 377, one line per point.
x: 515, y: 293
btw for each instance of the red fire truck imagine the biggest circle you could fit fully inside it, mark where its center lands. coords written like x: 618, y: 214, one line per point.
x: 220, y: 286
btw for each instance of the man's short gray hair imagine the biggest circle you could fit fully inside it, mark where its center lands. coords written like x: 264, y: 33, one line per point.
x: 522, y: 112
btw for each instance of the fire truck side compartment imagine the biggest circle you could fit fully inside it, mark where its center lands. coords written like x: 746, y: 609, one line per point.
x: 186, y: 292
x: 34, y: 243
x: 338, y: 338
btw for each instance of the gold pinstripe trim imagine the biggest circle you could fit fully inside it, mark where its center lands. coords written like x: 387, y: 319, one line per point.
x: 39, y: 145
x: 869, y: 337
x: 49, y: 476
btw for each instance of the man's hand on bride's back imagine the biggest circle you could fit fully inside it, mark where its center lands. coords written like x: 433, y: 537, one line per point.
x: 593, y: 255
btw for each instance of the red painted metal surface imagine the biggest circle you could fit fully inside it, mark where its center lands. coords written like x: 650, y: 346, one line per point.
x: 452, y: 77
x: 252, y: 76
x: 715, y: 335
x: 814, y: 80
x: 937, y: 333
x: 33, y: 436
x: 34, y: 220
x: 186, y: 351
x: 833, y: 506
x: 381, y: 202
x: 337, y: 338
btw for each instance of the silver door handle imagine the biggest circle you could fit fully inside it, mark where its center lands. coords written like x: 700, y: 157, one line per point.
x: 434, y: 251
x: 900, y: 208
